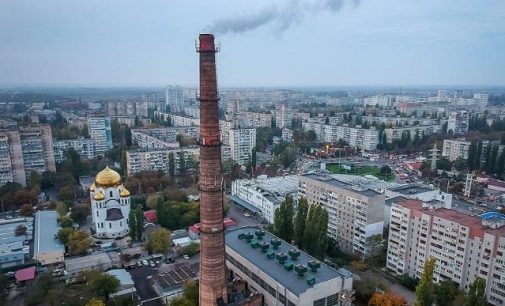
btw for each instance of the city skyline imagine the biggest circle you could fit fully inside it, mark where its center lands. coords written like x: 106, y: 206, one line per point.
x: 358, y: 43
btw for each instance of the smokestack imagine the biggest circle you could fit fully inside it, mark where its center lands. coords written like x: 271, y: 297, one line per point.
x: 212, y: 261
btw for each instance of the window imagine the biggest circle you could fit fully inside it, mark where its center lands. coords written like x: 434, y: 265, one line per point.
x: 110, y: 225
x: 320, y: 302
x: 110, y: 193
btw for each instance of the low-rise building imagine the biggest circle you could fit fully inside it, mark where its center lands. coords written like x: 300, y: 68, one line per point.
x: 15, y: 234
x: 281, y: 273
x: 169, y: 285
x: 47, y: 249
x: 263, y: 195
x: 98, y: 261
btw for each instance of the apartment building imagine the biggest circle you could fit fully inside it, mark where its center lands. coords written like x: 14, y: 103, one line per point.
x: 37, y: 148
x: 454, y: 149
x: 160, y: 138
x: 177, y: 120
x: 396, y: 133
x: 366, y: 139
x: 355, y: 212
x: 458, y: 122
x: 283, y: 116
x: 84, y: 147
x: 263, y: 195
x: 287, y: 135
x: 465, y: 247
x: 382, y: 101
x: 242, y: 143
x: 127, y: 108
x: 174, y: 95
x: 100, y: 132
x: 255, y: 120
x: 283, y: 274
x: 158, y: 160
x: 481, y: 99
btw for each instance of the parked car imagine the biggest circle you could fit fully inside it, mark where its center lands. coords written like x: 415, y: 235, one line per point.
x: 247, y: 215
x: 185, y: 257
x: 139, y: 263
x: 152, y: 264
x: 145, y: 263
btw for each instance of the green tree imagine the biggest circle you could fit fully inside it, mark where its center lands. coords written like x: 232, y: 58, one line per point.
x: 189, y: 297
x: 78, y: 242
x: 300, y: 221
x: 64, y: 233
x: 159, y: 241
x: 65, y: 221
x: 445, y: 292
x: 253, y: 158
x: 424, y: 290
x: 103, y: 285
x: 283, y: 219
x: 136, y: 223
x: 79, y: 213
x: 476, y: 293
x: 315, y: 236
x: 171, y: 165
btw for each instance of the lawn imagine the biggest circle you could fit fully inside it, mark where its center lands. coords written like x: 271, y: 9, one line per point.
x: 365, y: 170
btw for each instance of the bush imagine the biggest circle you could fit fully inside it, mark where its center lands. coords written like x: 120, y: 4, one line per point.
x: 406, y: 281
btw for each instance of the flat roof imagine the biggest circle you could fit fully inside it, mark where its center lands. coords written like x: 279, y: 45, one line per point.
x: 46, y: 229
x: 177, y: 276
x: 412, y: 189
x: 86, y: 262
x: 244, y: 204
x: 122, y: 275
x: 289, y: 279
x: 359, y: 189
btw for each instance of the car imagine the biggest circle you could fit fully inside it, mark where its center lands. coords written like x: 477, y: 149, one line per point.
x: 145, y: 263
x: 157, y: 261
x: 185, y: 257
x: 139, y: 263
x: 247, y: 215
x: 152, y: 264
x: 169, y: 260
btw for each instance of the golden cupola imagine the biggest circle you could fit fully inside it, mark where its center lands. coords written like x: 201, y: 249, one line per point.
x: 124, y: 193
x: 107, y: 178
x: 99, y: 196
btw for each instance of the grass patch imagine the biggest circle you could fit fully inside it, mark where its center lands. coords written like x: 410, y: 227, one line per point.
x: 364, y: 170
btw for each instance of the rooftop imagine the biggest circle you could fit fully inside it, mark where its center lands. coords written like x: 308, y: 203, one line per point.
x: 46, y: 229
x: 123, y: 276
x: 87, y: 262
x: 274, y: 185
x: 359, y: 189
x: 412, y: 189
x: 289, y: 279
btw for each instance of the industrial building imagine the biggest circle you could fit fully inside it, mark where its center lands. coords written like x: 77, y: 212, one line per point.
x: 283, y: 274
x: 263, y: 195
x: 465, y: 247
x: 47, y: 249
x: 15, y: 235
x: 355, y: 212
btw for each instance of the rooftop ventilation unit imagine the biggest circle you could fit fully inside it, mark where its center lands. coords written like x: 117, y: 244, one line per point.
x: 260, y: 234
x: 314, y: 265
x: 271, y: 254
x: 294, y: 254
x: 275, y: 243
x: 311, y: 280
x: 288, y: 265
x: 248, y: 237
x: 264, y: 246
x: 281, y: 257
x: 301, y: 269
x: 254, y: 243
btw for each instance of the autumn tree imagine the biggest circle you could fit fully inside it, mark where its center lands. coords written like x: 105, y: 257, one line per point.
x: 78, y: 242
x: 63, y: 234
x: 26, y: 210
x: 424, y: 290
x: 159, y: 241
x: 95, y: 302
x: 386, y: 299
x: 102, y: 284
x: 476, y: 293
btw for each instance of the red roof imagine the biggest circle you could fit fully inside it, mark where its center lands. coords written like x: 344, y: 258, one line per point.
x: 195, y: 228
x: 25, y: 274
x: 150, y: 215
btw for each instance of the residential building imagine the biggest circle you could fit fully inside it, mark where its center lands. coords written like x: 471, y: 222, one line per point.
x: 110, y: 205
x: 283, y: 274
x: 287, y: 135
x: 465, y: 247
x: 355, y: 212
x: 224, y: 128
x: 382, y: 101
x: 100, y: 132
x: 481, y: 100
x: 458, y: 122
x: 396, y: 133
x: 158, y: 160
x: 302, y: 116
x: 159, y: 138
x: 177, y: 120
x: 174, y: 95
x: 83, y: 146
x: 366, y: 139
x: 47, y: 249
x: 242, y: 143
x: 263, y: 195
x: 127, y: 108
x: 283, y: 116
x: 254, y: 120
x: 454, y: 149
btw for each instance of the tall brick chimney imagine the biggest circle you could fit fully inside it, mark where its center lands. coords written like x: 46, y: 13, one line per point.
x: 212, y: 261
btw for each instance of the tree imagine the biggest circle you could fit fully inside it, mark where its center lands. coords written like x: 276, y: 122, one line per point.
x: 62, y: 208
x: 189, y: 297
x: 80, y: 213
x: 103, y: 285
x: 64, y: 233
x: 171, y: 164
x: 476, y: 293
x: 66, y: 193
x: 159, y: 241
x: 283, y: 219
x: 315, y: 237
x: 300, y: 221
x: 95, y: 302
x: 182, y: 164
x: 253, y: 158
x: 136, y: 223
x: 445, y: 292
x: 65, y: 221
x: 26, y: 210
x: 424, y: 290
x: 78, y: 242
x: 387, y: 299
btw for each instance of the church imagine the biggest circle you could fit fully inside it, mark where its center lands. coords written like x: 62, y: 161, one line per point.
x: 110, y: 205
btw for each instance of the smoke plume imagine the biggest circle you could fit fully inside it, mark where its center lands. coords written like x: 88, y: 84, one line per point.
x: 280, y: 18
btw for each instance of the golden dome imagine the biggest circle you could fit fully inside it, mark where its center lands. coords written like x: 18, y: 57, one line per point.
x: 124, y: 193
x: 107, y: 178
x: 99, y: 196
x: 92, y: 187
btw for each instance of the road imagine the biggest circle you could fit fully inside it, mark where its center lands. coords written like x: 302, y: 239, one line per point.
x: 236, y: 214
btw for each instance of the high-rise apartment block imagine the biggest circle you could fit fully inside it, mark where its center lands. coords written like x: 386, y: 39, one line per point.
x: 465, y: 247
x: 366, y: 139
x: 159, y: 160
x: 23, y: 150
x: 458, y: 122
x: 252, y: 119
x: 283, y: 116
x: 100, y: 132
x: 454, y: 149
x: 242, y: 143
x: 382, y: 101
x: 355, y: 212
x: 174, y: 95
x: 84, y: 147
x: 127, y: 108
x: 396, y: 133
x: 160, y: 138
x: 481, y: 99
x: 177, y: 120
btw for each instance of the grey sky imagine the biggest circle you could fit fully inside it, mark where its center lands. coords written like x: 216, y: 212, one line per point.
x: 267, y: 43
